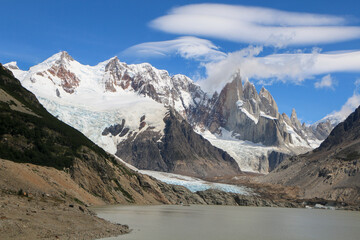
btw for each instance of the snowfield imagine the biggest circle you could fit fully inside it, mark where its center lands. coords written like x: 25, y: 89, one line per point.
x: 249, y: 156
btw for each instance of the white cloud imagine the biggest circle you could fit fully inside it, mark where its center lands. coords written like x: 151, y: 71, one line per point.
x: 325, y: 82
x: 256, y: 25
x: 278, y: 67
x: 187, y: 47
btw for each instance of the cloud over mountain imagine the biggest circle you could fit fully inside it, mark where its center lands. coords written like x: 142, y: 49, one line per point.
x: 187, y: 47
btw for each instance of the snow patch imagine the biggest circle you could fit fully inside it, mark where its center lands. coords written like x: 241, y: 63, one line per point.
x: 248, y: 155
x: 254, y: 119
x: 262, y: 114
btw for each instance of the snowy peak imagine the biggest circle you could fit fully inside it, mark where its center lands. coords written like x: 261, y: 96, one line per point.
x: 116, y: 75
x: 65, y: 57
x: 61, y: 70
x: 60, y: 58
x: 60, y: 74
x: 11, y: 66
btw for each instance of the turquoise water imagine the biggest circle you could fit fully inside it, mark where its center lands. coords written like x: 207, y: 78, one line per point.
x: 167, y: 222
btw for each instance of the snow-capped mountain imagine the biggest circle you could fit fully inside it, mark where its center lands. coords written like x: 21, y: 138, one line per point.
x: 123, y: 119
x: 125, y: 109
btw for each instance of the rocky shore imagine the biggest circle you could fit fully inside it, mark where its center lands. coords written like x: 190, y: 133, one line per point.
x: 27, y: 217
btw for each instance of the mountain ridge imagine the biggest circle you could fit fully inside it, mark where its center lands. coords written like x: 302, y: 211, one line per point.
x: 331, y: 171
x: 243, y: 112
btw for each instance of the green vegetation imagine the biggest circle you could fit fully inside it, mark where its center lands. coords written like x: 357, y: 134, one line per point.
x: 123, y: 191
x: 43, y: 140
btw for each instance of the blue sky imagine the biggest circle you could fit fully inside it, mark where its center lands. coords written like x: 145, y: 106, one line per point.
x: 93, y: 31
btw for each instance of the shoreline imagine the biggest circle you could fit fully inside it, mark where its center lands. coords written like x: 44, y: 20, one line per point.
x: 23, y: 217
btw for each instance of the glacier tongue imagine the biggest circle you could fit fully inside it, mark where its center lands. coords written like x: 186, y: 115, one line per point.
x: 195, y: 184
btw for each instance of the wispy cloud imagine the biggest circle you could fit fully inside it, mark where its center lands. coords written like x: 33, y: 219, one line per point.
x: 325, y: 82
x: 187, y: 47
x: 293, y: 68
x: 256, y: 25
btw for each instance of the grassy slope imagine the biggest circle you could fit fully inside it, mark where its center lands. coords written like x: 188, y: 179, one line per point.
x: 43, y: 140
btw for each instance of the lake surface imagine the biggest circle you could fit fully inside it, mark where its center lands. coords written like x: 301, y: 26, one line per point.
x: 168, y: 222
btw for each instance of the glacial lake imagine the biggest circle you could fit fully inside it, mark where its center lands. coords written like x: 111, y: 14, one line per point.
x: 197, y: 222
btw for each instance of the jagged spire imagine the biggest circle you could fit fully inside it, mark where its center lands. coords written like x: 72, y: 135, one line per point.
x: 236, y: 83
x: 269, y: 104
x: 294, y: 119
x: 293, y: 114
x: 250, y: 90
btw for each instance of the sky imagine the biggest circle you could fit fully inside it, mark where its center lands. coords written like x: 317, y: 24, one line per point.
x: 306, y: 53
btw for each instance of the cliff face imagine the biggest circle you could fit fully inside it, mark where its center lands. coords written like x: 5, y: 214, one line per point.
x: 180, y: 150
x: 331, y: 171
x: 248, y: 115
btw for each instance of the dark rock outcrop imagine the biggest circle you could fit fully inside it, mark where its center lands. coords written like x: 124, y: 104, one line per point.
x: 179, y: 150
x: 275, y: 158
x: 115, y: 129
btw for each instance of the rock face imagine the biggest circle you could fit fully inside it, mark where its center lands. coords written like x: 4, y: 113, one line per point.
x: 331, y: 171
x: 180, y: 150
x: 254, y: 117
x: 174, y: 91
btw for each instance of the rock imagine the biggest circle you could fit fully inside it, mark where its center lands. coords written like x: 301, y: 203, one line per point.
x: 180, y: 150
x: 114, y: 129
x: 330, y: 172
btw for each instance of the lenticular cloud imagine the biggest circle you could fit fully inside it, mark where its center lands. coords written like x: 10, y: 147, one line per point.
x: 187, y: 47
x: 256, y: 25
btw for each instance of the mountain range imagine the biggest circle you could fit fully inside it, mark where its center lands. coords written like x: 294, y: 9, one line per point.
x: 139, y: 112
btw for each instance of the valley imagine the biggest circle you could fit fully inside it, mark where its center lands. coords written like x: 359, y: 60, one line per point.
x: 138, y: 136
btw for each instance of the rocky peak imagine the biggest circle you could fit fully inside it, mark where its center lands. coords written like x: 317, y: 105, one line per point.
x: 61, y: 69
x: 286, y: 119
x: 264, y: 93
x: 238, y: 84
x: 113, y: 65
x: 64, y: 58
x: 116, y: 74
x: 232, y: 92
x: 11, y: 66
x: 269, y: 105
x: 250, y: 91
x: 294, y: 120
